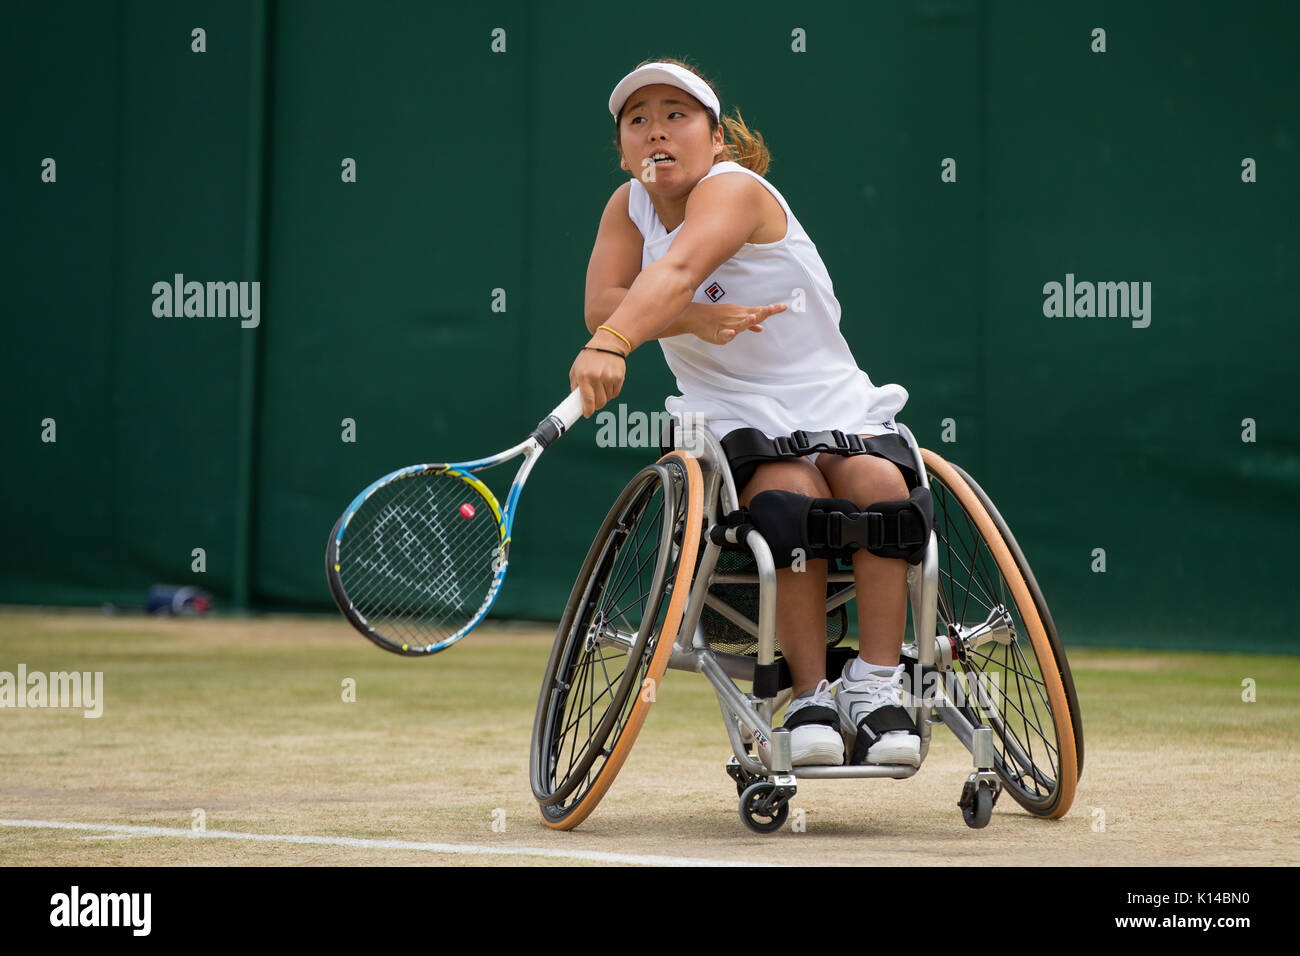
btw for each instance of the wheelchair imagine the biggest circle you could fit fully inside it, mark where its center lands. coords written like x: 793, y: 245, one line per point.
x: 669, y: 583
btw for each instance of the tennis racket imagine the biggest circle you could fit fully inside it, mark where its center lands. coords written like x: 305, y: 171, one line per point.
x: 417, y: 559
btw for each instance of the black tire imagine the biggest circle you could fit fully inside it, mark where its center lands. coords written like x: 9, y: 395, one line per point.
x: 758, y: 815
x: 1038, y: 735
x: 633, y: 586
x: 980, y: 812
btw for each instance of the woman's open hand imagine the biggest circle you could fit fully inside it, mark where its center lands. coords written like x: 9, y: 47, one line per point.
x: 720, y: 324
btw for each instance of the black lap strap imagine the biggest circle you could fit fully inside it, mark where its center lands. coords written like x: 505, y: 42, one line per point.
x: 747, y: 448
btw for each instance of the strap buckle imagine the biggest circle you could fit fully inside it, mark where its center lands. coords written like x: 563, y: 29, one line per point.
x: 834, y: 442
x: 805, y: 443
x: 863, y: 530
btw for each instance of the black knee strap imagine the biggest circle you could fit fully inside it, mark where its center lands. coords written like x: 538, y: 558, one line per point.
x: 834, y: 528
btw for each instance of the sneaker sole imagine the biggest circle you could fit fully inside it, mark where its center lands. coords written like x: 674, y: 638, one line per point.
x: 906, y: 752
x: 822, y: 750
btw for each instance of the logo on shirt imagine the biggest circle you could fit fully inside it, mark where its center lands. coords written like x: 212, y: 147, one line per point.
x: 890, y: 426
x: 715, y: 292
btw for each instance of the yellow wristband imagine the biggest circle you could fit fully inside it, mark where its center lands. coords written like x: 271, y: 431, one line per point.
x: 617, y: 333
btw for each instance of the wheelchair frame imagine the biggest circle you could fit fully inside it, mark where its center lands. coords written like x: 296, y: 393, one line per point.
x: 761, y: 762
x: 691, y: 651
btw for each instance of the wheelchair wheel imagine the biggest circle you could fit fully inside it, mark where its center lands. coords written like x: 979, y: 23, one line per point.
x: 615, y: 638
x: 1005, y: 646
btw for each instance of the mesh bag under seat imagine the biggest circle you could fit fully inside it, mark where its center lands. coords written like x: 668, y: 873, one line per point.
x: 730, y: 638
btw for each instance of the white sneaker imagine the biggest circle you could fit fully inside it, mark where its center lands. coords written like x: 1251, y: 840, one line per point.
x: 875, y: 723
x: 814, y: 729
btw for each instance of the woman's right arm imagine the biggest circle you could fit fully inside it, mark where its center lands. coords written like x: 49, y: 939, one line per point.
x: 614, y: 265
x: 615, y: 260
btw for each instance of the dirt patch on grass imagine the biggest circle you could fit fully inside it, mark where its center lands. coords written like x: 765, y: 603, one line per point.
x: 246, y: 721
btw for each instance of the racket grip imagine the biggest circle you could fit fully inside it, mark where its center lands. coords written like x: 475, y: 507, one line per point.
x: 560, y: 420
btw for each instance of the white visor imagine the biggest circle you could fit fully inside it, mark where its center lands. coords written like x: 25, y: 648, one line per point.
x: 669, y: 73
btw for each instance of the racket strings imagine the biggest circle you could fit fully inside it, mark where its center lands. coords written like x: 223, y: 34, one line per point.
x: 415, y: 565
x: 439, y: 593
x: 388, y: 591
x: 432, y: 611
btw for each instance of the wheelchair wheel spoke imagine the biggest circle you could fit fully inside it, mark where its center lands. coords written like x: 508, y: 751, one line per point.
x: 620, y: 581
x: 968, y: 569
x: 642, y: 596
x: 1037, y: 700
x: 641, y: 564
x: 564, y: 736
x: 1025, y: 746
x: 585, y: 711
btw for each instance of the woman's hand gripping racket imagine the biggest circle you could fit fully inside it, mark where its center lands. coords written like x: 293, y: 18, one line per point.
x: 417, y: 559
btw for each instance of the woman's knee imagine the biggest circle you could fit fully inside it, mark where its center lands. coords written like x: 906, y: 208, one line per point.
x: 866, y: 479
x: 800, y: 476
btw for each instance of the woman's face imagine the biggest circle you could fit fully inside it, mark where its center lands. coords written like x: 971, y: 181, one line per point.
x: 663, y: 119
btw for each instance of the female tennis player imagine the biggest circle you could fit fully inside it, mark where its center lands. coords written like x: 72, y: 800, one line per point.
x: 683, y: 251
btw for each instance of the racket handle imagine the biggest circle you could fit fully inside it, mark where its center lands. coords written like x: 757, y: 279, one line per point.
x: 560, y: 420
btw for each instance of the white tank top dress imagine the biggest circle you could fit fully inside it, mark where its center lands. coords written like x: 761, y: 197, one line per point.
x: 798, y: 373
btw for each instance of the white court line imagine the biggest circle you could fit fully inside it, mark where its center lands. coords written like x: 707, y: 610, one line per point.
x: 588, y: 856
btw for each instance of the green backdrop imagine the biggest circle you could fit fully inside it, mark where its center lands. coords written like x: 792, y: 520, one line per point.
x: 482, y: 169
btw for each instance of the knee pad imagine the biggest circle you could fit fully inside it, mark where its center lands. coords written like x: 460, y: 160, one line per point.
x: 835, y: 528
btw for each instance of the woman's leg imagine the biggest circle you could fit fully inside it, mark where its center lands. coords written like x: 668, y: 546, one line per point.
x: 801, y: 595
x: 869, y: 699
x: 811, y: 717
x: 881, y: 582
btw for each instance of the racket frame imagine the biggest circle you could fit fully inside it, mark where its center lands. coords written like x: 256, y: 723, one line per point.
x: 549, y: 429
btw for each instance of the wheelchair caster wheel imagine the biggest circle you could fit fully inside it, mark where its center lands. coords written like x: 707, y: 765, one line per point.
x: 976, y: 804
x: 764, y: 806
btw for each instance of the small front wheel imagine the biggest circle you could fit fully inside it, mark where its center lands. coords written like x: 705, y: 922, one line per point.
x: 763, y: 808
x: 979, y: 810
